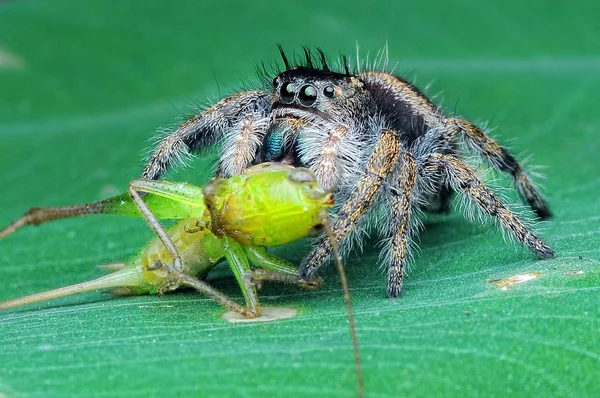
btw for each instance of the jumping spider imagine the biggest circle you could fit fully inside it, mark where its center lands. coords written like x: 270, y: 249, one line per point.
x: 370, y: 135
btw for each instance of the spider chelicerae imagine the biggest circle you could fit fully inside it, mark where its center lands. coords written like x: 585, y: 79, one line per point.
x: 385, y: 148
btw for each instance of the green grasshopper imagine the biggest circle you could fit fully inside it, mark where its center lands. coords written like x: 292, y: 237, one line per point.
x: 235, y: 218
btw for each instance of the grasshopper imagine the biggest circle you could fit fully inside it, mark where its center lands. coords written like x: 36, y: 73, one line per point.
x: 271, y: 204
x: 234, y: 218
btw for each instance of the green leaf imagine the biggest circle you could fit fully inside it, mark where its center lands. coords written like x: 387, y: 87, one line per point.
x: 83, y: 87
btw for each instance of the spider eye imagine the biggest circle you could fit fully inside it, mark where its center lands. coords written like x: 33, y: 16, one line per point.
x: 275, y: 82
x: 308, y: 95
x: 287, y: 92
x: 328, y: 91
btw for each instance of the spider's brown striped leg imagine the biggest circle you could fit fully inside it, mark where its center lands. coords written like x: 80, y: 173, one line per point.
x: 400, y: 208
x: 503, y: 160
x: 464, y: 181
x: 381, y: 164
x: 239, y: 120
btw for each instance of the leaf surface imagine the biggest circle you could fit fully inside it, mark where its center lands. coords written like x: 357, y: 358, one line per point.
x: 84, y: 86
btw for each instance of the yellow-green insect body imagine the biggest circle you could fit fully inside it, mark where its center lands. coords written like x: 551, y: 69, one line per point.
x: 256, y: 208
x: 233, y: 218
x: 192, y: 248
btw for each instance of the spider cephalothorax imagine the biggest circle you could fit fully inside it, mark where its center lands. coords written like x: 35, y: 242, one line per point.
x: 370, y: 135
x: 316, y: 116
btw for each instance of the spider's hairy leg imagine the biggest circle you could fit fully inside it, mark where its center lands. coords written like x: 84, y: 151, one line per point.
x: 234, y: 255
x: 380, y: 165
x: 411, y: 108
x: 400, y: 229
x: 504, y: 161
x: 463, y: 180
x: 327, y: 171
x: 240, y: 145
x: 208, y: 127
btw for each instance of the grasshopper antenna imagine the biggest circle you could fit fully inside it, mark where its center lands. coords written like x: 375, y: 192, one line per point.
x: 348, y: 300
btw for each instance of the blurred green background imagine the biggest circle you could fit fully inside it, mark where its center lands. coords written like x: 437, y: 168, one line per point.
x: 85, y: 85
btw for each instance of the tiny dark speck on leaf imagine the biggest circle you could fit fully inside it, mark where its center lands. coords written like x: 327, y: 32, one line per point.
x: 467, y: 313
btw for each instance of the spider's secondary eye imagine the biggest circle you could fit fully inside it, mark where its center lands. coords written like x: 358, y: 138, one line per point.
x: 275, y: 82
x: 308, y: 95
x: 287, y: 92
x: 328, y: 91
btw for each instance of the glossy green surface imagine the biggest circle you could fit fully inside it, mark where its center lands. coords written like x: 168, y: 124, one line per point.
x: 258, y: 208
x: 83, y: 87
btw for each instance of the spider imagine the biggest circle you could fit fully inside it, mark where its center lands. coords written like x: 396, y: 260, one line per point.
x: 374, y: 138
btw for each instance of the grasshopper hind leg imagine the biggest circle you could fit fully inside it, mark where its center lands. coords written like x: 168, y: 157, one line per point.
x: 126, y: 276
x: 40, y: 215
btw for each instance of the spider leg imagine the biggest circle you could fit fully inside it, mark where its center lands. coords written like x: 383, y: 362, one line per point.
x: 463, y: 180
x: 381, y: 164
x: 240, y: 112
x: 401, y: 216
x: 411, y: 111
x: 504, y: 161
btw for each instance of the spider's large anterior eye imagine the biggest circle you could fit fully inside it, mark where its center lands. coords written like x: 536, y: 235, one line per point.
x: 328, y: 91
x: 307, y: 95
x: 287, y: 92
